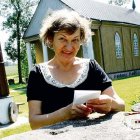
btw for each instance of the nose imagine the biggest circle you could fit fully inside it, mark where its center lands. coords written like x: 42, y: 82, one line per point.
x: 69, y: 46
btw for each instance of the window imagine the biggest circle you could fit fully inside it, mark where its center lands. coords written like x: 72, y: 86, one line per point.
x: 135, y: 45
x: 118, y: 47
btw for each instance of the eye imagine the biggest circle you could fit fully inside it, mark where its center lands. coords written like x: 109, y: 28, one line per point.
x: 62, y: 39
x: 76, y: 40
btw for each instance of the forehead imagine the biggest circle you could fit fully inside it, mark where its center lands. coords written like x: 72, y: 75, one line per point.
x: 65, y: 33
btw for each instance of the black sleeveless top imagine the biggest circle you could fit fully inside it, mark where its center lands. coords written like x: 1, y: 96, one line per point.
x: 55, y: 95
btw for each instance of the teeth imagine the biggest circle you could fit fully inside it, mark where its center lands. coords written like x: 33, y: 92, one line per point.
x: 67, y: 52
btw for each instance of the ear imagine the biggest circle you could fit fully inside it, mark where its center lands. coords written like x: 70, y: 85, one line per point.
x: 50, y: 40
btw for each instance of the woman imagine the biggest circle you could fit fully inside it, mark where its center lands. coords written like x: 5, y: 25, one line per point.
x: 51, y: 84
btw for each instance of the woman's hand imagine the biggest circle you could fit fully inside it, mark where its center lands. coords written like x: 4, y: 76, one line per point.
x: 103, y: 104
x: 77, y: 111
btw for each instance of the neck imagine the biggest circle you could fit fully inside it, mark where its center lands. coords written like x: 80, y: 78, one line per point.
x: 65, y: 66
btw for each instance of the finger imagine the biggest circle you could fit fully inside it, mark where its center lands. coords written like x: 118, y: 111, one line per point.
x: 90, y: 106
x: 81, y: 111
x: 84, y: 108
x: 93, y: 101
x: 102, y: 108
x: 99, y: 101
x: 76, y: 110
x: 77, y: 114
x: 97, y: 107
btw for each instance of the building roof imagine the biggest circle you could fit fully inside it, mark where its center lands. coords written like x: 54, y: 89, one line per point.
x: 88, y: 8
x: 102, y: 11
x: 35, y: 24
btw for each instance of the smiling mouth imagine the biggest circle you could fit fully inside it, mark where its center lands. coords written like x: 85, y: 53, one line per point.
x: 65, y: 52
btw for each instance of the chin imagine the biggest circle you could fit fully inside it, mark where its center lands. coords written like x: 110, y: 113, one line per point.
x: 67, y: 56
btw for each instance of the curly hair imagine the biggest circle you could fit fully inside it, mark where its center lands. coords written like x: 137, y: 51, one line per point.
x: 66, y: 20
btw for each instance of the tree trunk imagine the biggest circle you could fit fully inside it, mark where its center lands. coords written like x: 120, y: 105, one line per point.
x: 18, y: 47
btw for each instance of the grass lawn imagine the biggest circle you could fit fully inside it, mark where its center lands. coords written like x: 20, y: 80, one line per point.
x: 11, y: 70
x: 18, y: 91
x: 128, y: 89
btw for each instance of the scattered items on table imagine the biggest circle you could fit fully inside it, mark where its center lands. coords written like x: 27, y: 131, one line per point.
x: 132, y: 119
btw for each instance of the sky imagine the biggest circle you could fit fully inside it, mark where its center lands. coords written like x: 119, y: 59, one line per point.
x: 137, y: 2
x: 3, y: 38
x: 4, y: 35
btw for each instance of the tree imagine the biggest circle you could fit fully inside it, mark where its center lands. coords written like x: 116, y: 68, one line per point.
x: 133, y: 5
x: 24, y: 64
x: 18, y: 14
x: 118, y: 2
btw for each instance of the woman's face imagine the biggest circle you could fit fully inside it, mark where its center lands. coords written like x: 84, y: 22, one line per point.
x: 66, y: 46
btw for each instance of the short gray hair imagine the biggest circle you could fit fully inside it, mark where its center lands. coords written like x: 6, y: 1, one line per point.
x: 67, y: 20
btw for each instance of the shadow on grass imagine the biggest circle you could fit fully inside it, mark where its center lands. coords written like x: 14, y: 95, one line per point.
x: 17, y: 86
x: 20, y: 88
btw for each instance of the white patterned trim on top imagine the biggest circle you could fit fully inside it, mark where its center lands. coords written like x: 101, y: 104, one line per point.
x: 49, y: 78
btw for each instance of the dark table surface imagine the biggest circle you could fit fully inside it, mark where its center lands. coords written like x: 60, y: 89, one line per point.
x: 96, y: 127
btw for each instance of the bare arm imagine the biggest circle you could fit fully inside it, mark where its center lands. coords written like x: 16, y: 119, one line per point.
x: 117, y: 104
x: 108, y: 101
x: 38, y: 120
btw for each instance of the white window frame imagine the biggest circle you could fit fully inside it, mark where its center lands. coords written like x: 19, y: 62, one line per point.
x: 118, y: 46
x: 135, y: 45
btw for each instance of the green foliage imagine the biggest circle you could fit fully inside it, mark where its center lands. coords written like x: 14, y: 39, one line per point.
x: 11, y: 50
x: 10, y: 22
x: 24, y: 61
x: 11, y: 25
x: 18, y: 14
